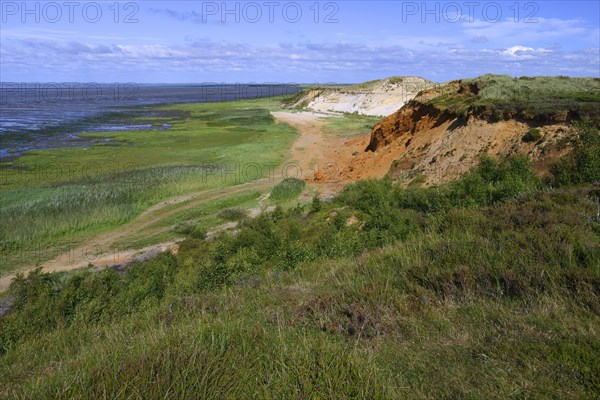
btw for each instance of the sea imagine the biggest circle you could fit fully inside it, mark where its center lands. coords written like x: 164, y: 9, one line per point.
x: 37, y: 116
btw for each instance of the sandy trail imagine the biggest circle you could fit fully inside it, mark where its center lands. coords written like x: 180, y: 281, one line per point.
x: 339, y: 160
x: 315, y: 152
x: 308, y: 149
x: 103, y: 250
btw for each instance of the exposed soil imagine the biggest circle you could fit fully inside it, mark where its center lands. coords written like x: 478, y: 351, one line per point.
x: 380, y: 98
x: 437, y: 145
x: 329, y: 161
x: 441, y: 146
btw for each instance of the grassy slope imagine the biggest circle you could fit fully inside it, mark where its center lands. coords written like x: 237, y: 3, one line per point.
x: 59, y: 197
x: 484, y: 288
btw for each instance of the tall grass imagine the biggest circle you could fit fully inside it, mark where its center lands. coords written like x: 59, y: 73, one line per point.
x: 486, y: 287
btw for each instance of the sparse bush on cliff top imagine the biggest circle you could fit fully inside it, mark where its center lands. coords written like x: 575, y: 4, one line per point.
x: 538, y: 97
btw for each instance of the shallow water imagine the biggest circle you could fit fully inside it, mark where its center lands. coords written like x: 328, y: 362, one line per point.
x: 52, y: 115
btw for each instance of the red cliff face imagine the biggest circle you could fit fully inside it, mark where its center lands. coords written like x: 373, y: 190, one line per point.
x: 420, y: 114
x: 414, y: 116
x: 410, y: 119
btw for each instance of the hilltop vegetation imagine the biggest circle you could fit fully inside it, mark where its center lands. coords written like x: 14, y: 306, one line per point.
x: 486, y: 287
x: 535, y: 98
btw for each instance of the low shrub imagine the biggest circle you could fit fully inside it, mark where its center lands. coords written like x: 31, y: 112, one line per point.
x: 287, y: 189
x: 582, y: 165
x: 191, y: 229
x: 532, y: 135
x: 232, y: 214
x: 316, y: 203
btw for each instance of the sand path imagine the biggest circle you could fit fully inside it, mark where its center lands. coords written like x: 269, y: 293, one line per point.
x: 103, y: 250
x: 340, y: 160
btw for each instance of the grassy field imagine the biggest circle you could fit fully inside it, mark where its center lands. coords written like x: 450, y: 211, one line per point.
x: 54, y: 199
x: 350, y: 125
x: 487, y: 287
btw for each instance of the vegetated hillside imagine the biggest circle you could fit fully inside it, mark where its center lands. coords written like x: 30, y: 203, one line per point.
x: 486, y: 287
x: 443, y: 131
x: 379, y: 97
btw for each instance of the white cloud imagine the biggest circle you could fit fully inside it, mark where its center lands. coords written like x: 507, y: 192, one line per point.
x: 525, y: 53
x: 341, y: 60
x: 511, y: 31
x: 517, y: 51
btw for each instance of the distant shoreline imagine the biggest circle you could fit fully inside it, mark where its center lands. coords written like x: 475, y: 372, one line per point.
x: 30, y: 123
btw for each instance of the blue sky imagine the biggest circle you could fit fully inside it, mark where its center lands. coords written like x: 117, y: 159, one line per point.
x: 294, y: 42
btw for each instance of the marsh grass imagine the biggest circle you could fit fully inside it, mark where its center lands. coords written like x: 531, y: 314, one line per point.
x: 201, y: 217
x: 53, y: 198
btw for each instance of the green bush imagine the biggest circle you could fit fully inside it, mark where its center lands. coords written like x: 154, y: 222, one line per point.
x: 232, y: 214
x: 316, y: 203
x: 191, y: 229
x: 582, y: 165
x: 532, y: 135
x: 45, y: 301
x: 367, y: 195
x: 287, y: 189
x: 494, y: 181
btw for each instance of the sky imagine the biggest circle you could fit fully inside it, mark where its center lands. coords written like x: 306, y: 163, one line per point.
x: 294, y: 41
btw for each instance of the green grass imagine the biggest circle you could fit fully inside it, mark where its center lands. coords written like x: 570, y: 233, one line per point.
x: 537, y: 89
x: 482, y: 288
x: 54, y: 198
x: 350, y: 125
x: 287, y: 189
x: 200, y: 218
